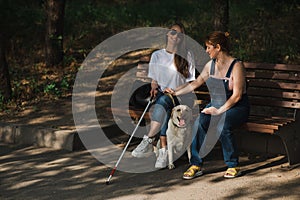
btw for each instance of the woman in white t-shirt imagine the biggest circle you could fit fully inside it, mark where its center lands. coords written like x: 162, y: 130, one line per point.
x: 172, y: 67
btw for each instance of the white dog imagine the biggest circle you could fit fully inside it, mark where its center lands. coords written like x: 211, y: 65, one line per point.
x: 179, y: 133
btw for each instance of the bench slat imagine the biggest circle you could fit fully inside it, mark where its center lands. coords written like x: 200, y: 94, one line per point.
x: 283, y: 67
x: 276, y: 119
x: 272, y: 112
x: 274, y: 75
x: 268, y: 121
x: 269, y: 102
x: 143, y: 66
x: 254, y: 128
x: 264, y: 126
x: 273, y: 84
x: 141, y: 74
x: 258, y: 129
x: 273, y: 93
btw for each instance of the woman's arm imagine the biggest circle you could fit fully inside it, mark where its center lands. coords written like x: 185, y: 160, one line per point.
x: 203, y: 76
x: 182, y: 86
x: 154, y: 87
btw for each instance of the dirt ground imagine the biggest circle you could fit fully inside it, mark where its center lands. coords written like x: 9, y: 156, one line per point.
x: 43, y: 173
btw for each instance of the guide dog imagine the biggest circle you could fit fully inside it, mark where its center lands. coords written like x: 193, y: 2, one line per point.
x: 179, y: 133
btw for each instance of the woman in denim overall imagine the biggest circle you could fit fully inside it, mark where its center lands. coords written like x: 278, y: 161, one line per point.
x: 228, y: 108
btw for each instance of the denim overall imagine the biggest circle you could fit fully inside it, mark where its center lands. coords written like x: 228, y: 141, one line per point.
x: 208, y: 129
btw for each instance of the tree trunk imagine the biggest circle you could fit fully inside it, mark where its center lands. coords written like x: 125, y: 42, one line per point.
x: 5, y: 88
x: 221, y: 15
x: 55, y: 10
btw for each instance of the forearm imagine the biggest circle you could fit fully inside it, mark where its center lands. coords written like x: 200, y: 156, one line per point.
x: 182, y: 86
x: 189, y: 87
x: 192, y: 85
x: 229, y: 103
x: 154, y: 88
x: 217, y: 111
x: 154, y: 85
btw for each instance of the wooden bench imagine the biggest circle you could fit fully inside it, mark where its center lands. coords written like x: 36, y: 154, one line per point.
x: 274, y: 94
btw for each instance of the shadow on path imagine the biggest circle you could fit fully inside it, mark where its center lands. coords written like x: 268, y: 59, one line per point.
x: 41, y: 173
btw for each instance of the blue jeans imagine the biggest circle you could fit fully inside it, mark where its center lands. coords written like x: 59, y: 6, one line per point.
x: 234, y: 117
x: 162, y: 111
x: 163, y: 108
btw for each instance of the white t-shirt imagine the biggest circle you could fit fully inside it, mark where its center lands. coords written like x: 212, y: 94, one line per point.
x: 163, y: 70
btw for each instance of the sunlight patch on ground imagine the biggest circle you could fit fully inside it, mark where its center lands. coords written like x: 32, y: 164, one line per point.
x: 51, y: 164
x: 47, y: 118
x: 48, y: 173
x: 23, y: 184
x: 76, y: 167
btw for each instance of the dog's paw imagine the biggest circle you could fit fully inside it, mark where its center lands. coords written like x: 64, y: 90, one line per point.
x: 171, y: 166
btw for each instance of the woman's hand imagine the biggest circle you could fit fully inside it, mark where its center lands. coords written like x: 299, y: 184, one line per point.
x: 154, y: 88
x: 153, y: 92
x: 211, y: 111
x: 170, y: 91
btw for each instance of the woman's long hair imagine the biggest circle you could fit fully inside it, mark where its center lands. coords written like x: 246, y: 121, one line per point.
x: 181, y: 63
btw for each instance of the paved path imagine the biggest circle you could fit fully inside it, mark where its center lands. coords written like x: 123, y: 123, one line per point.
x: 43, y: 173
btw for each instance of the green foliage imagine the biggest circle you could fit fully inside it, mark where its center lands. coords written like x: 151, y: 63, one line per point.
x: 264, y: 31
x: 97, y: 20
x: 64, y: 84
x: 56, y: 90
x: 260, y: 31
x: 51, y: 89
x: 22, y: 24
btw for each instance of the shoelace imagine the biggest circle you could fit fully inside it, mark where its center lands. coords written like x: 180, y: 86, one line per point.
x: 161, y: 156
x: 143, y: 145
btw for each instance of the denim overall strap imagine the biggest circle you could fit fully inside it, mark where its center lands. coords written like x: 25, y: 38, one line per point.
x: 216, y: 88
x: 230, y: 68
x: 212, y: 67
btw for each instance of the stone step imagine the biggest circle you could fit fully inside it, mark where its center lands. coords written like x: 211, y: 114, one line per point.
x: 37, y: 136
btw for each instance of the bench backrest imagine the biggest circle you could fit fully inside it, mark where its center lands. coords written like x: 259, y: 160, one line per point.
x: 273, y: 89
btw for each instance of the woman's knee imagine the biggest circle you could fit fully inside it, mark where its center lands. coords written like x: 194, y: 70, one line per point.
x: 164, y: 100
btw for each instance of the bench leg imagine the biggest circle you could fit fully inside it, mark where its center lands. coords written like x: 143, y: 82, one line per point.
x: 291, y: 141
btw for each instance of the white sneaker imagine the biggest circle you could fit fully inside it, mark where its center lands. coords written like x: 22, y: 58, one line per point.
x: 144, y: 149
x: 162, y: 158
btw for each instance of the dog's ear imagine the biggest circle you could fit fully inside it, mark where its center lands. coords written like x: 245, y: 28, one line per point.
x: 172, y: 112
